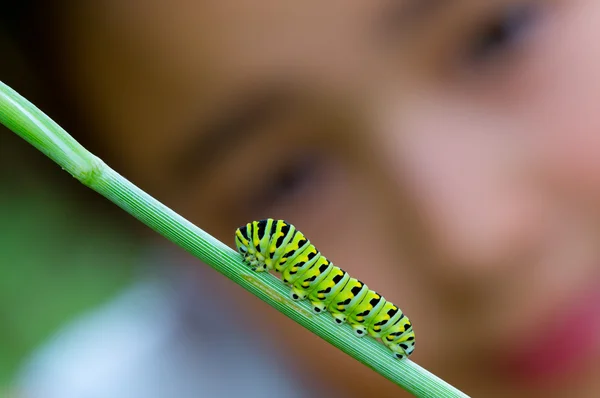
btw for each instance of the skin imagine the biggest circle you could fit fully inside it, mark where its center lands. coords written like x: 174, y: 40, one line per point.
x: 459, y: 180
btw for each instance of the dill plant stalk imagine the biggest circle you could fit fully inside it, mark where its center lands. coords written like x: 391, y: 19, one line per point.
x: 31, y: 124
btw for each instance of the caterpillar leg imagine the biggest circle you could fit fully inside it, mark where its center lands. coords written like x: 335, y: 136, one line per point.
x: 256, y: 265
x: 254, y: 262
x: 259, y: 268
x: 359, y: 330
x: 318, y: 307
x: 409, y: 348
x: 297, y: 294
x: 401, y: 350
x: 261, y: 265
x: 339, y: 318
x: 397, y: 351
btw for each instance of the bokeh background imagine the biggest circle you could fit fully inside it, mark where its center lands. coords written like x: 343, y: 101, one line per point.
x: 447, y: 152
x: 57, y: 260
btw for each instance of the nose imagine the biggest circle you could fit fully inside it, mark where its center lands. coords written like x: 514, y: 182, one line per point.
x: 465, y: 175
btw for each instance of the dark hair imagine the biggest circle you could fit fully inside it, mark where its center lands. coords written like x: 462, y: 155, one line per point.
x: 36, y: 29
x: 17, y: 29
x: 14, y: 14
x: 31, y: 32
x: 28, y: 23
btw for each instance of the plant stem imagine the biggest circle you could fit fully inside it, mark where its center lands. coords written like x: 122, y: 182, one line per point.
x: 34, y: 126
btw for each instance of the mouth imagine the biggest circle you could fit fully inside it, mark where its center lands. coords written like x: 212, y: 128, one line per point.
x: 564, y: 347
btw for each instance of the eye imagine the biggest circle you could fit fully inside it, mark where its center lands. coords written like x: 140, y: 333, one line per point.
x: 503, y: 33
x: 291, y: 181
x: 292, y: 178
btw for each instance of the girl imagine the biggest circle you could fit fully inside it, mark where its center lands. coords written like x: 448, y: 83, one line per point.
x: 447, y: 153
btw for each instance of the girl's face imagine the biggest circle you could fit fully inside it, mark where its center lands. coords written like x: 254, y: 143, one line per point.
x: 447, y: 153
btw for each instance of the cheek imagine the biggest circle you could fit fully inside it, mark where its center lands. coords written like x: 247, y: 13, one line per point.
x: 562, y: 96
x: 569, y: 132
x: 573, y: 157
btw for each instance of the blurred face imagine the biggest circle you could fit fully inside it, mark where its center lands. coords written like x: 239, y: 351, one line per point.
x: 447, y: 153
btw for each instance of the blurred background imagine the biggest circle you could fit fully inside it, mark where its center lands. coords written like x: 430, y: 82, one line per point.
x: 53, y: 266
x: 447, y: 153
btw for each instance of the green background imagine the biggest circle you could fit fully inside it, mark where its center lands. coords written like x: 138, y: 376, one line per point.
x: 54, y: 263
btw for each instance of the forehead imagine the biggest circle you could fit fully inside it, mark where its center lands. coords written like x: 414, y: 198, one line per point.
x: 186, y: 43
x: 157, y: 67
x: 192, y: 41
x: 161, y: 67
x: 269, y: 32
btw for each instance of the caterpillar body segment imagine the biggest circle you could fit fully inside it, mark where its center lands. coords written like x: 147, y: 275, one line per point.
x: 328, y: 288
x: 276, y: 245
x: 299, y: 263
x: 347, y: 299
x: 400, y: 337
x: 384, y: 320
x: 361, y: 315
x: 311, y: 278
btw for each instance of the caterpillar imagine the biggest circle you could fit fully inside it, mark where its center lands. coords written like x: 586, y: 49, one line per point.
x: 276, y: 245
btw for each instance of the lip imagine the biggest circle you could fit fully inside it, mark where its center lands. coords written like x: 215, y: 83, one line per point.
x: 562, y: 347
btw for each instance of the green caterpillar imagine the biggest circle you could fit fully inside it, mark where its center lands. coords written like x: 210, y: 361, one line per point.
x: 277, y: 245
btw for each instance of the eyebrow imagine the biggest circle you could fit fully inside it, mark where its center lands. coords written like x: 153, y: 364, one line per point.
x: 402, y: 15
x: 234, y: 125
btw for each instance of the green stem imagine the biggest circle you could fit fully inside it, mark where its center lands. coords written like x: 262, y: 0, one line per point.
x: 34, y: 126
